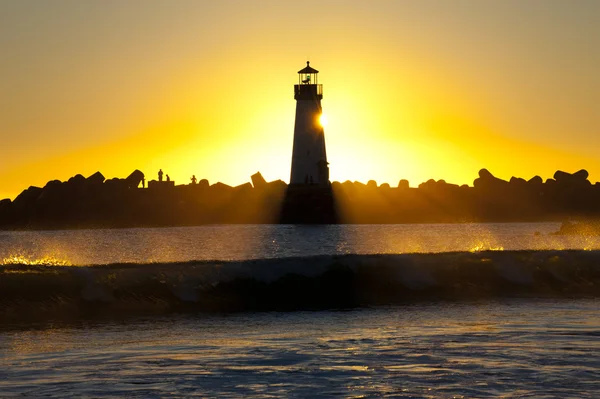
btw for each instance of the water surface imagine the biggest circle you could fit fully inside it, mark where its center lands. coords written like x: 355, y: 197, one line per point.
x: 487, y: 347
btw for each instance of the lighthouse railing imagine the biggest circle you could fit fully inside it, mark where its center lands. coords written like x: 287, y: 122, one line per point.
x: 308, y: 91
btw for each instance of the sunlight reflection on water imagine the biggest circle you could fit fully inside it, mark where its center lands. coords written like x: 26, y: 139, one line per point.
x: 488, y: 348
x: 240, y: 242
x: 471, y: 349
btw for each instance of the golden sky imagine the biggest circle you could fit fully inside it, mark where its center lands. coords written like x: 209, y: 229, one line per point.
x: 412, y: 89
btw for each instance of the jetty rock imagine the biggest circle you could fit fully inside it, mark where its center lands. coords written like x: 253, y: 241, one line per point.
x: 568, y: 178
x: 96, y: 178
x: 28, y: 196
x: 5, y: 205
x: 258, y: 181
x: 582, y: 174
x: 403, y: 184
x: 53, y: 191
x: 429, y: 184
x: 536, y: 181
x: 519, y: 183
x: 134, y: 179
x: 485, y: 174
x: 245, y: 187
x: 488, y: 180
x: 77, y: 180
x: 5, y: 208
x: 277, y: 185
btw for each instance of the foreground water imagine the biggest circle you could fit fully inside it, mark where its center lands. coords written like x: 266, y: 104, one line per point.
x: 522, y: 330
x: 242, y: 242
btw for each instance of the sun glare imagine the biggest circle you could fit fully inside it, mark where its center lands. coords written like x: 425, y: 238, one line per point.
x: 323, y: 120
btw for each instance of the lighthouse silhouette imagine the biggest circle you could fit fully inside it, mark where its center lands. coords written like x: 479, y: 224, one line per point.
x: 309, y: 158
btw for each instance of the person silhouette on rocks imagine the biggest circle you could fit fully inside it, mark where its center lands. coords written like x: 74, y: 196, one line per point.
x: 160, y: 174
x: 194, y: 179
x: 168, y: 178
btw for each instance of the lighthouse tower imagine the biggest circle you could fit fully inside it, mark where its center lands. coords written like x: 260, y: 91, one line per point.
x: 309, y: 159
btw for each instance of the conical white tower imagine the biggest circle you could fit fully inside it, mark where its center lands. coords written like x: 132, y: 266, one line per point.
x: 309, y: 158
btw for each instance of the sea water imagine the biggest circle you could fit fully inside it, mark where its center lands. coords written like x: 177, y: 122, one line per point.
x: 523, y: 330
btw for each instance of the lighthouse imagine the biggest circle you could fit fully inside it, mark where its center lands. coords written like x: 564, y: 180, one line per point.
x: 309, y: 158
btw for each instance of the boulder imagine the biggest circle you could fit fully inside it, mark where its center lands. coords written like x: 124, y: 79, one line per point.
x: 204, y: 183
x: 28, y: 196
x: 517, y: 182
x: 221, y: 187
x: 134, y: 179
x: 52, y: 184
x: 429, y: 184
x: 581, y: 174
x: 96, y: 178
x: 277, y: 184
x: 5, y: 208
x: 258, y: 181
x: 487, y: 181
x: 52, y: 191
x: 371, y: 184
x: 403, y: 184
x: 561, y: 176
x: 385, y: 186
x: 243, y: 187
x: 485, y: 174
x: 536, y: 180
x: 567, y: 178
x: 77, y: 179
x: 115, y: 182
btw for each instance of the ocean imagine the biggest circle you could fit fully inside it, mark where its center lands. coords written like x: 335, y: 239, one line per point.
x: 356, y: 311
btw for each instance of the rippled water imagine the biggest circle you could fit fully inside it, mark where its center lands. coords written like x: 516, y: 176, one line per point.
x: 515, y: 348
x: 240, y: 242
x: 485, y: 348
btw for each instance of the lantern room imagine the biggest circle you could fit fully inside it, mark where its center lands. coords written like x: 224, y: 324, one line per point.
x: 308, y: 87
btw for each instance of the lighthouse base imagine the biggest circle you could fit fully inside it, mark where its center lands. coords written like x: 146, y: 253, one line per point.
x: 306, y: 204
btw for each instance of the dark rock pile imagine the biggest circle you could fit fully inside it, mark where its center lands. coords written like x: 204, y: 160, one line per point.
x: 94, y: 201
x: 489, y: 200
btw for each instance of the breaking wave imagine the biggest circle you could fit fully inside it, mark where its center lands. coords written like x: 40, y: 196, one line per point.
x: 38, y: 290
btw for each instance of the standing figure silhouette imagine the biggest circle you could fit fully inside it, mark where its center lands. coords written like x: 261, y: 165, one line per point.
x: 160, y: 174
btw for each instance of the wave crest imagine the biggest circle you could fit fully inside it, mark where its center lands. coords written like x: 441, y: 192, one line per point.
x: 36, y: 290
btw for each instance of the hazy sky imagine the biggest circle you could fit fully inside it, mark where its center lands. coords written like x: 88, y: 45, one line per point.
x: 412, y: 89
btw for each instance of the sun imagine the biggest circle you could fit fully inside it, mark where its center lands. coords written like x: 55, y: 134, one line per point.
x: 323, y: 120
